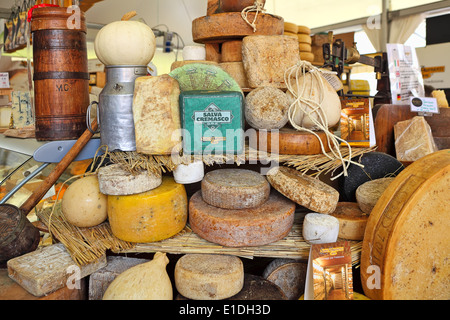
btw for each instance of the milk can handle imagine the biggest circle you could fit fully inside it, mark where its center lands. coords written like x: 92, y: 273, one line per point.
x: 88, y: 117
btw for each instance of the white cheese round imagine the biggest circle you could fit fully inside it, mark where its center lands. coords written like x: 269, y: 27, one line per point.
x: 320, y: 228
x: 189, y: 173
x: 194, y: 53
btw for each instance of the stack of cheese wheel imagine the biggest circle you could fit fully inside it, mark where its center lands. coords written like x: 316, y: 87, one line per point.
x: 236, y: 208
x: 192, y: 54
x: 143, y: 207
x: 290, y: 29
x: 304, y: 41
x: 222, y: 31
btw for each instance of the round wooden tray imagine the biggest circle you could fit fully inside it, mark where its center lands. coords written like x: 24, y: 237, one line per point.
x: 222, y: 27
x: 406, y: 240
x: 291, y: 142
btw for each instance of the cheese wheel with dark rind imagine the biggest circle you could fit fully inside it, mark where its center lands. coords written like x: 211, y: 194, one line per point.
x: 405, y: 250
x: 258, y: 226
x: 235, y: 188
x: 306, y: 191
x: 352, y: 221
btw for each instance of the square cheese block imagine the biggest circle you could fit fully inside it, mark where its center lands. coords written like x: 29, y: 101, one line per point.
x: 48, y: 269
x: 213, y: 122
x: 413, y: 139
x: 266, y: 58
x: 156, y: 115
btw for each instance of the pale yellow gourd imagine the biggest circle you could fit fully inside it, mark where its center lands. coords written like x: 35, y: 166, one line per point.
x: 146, y: 281
x: 125, y: 42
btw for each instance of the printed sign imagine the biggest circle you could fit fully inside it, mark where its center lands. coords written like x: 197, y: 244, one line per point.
x: 424, y: 105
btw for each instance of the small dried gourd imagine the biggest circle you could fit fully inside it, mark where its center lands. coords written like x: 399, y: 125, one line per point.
x: 146, y: 281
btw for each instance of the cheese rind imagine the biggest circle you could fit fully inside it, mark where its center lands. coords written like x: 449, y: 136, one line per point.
x: 304, y: 190
x: 115, y: 180
x: 150, y: 216
x: 209, y: 276
x: 352, y: 221
x: 265, y: 224
x: 369, y: 192
x: 237, y: 72
x: 320, y: 228
x: 235, y: 189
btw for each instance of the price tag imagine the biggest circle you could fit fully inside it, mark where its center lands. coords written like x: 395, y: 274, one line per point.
x: 424, y: 106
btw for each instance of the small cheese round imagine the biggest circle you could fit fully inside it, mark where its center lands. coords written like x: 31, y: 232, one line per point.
x: 189, y: 173
x: 352, y: 221
x: 196, y: 53
x: 209, y: 276
x: 235, y: 188
x: 306, y: 191
x: 320, y: 228
x: 305, y: 47
x: 267, y: 108
x: 304, y: 38
x: 307, y: 56
x: 303, y: 30
x: 115, y: 180
x: 265, y: 224
x: 369, y: 192
x: 290, y: 27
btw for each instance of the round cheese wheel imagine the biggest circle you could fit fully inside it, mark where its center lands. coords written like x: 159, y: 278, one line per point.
x: 197, y: 53
x: 208, y: 276
x: 306, y: 191
x: 290, y: 34
x: 265, y: 224
x: 320, y: 228
x: 232, y: 51
x: 258, y: 288
x: 290, y: 27
x: 237, y: 72
x: 149, y: 216
x: 189, y: 173
x: 352, y: 221
x: 307, y: 56
x: 235, y: 188
x: 266, y: 108
x: 405, y: 252
x: 304, y: 38
x: 303, y: 30
x: 305, y: 47
x: 116, y: 180
x: 369, y: 192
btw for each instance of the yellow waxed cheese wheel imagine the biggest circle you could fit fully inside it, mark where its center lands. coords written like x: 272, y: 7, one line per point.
x: 307, y: 56
x: 151, y: 216
x: 83, y: 205
x: 303, y: 30
x: 304, y: 38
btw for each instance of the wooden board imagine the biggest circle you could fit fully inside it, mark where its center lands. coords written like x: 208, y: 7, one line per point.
x: 222, y: 27
x: 387, y: 115
x: 405, y: 248
x: 290, y: 141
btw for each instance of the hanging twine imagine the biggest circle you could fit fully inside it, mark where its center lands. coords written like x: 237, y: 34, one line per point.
x: 314, y: 111
x: 257, y: 7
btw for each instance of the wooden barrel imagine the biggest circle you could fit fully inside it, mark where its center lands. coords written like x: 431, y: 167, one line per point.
x: 61, y: 78
x: 17, y: 234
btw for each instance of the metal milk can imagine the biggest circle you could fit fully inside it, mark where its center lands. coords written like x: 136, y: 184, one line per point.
x: 115, y: 113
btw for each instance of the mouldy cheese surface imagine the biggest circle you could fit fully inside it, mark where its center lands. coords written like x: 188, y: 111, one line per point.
x: 209, y: 276
x: 150, y: 216
x: 320, y: 228
x: 156, y: 115
x: 235, y: 189
x: 265, y: 224
x: 304, y: 190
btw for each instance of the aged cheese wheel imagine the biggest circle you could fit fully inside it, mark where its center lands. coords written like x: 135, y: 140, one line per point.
x: 306, y: 191
x: 303, y: 30
x: 320, y: 228
x: 290, y: 141
x: 232, y: 51
x: 237, y: 72
x: 209, y: 276
x: 235, y: 188
x: 177, y: 64
x: 265, y: 224
x: 266, y: 58
x: 115, y: 180
x: 150, y: 216
x: 405, y: 250
x: 267, y: 108
x: 305, y: 47
x: 258, y: 288
x: 352, y: 221
x: 304, y: 38
x: 307, y: 56
x: 230, y: 25
x: 289, y: 275
x: 194, y: 53
x: 369, y: 192
x: 290, y: 27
